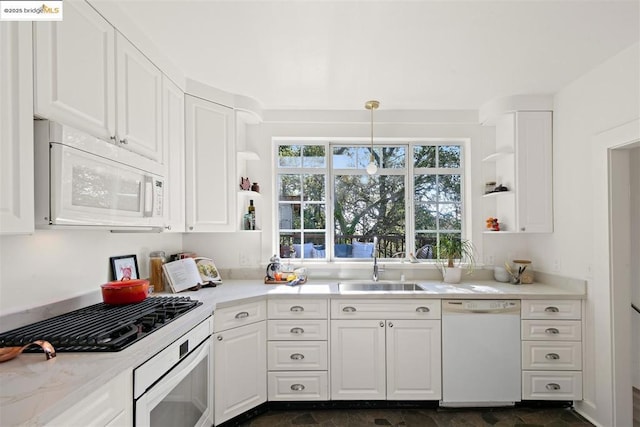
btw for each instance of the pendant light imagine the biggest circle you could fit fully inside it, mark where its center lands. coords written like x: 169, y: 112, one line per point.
x: 372, y: 168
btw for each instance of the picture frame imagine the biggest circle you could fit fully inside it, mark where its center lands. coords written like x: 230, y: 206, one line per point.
x: 124, y: 267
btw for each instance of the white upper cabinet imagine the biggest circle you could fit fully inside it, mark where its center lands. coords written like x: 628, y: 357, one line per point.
x: 16, y: 129
x: 210, y: 166
x: 75, y: 71
x: 173, y: 134
x: 522, y: 162
x: 88, y: 76
x: 139, y: 95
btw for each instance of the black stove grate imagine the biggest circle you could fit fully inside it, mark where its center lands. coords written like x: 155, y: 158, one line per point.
x: 101, y: 327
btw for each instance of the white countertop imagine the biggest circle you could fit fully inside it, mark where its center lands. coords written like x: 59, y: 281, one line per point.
x: 33, y: 390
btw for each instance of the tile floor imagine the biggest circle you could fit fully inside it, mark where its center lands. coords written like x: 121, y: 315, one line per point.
x: 420, y: 417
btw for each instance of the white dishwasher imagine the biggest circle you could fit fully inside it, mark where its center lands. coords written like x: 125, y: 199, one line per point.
x: 480, y: 353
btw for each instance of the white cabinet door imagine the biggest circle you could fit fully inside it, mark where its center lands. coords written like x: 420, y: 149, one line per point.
x: 139, y: 89
x: 173, y: 134
x: 210, y: 160
x: 240, y: 373
x: 534, y: 171
x: 109, y: 405
x: 358, y: 359
x: 413, y: 360
x: 16, y: 129
x: 75, y: 70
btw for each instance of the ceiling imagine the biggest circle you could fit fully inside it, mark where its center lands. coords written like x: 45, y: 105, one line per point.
x: 319, y: 54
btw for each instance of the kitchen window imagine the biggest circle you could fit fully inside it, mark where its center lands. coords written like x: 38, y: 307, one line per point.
x: 330, y: 209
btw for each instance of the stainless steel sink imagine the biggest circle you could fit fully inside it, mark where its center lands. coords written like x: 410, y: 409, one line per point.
x: 380, y: 286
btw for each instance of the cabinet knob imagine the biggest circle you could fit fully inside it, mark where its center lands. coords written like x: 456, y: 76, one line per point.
x: 391, y: 324
x: 297, y: 331
x: 113, y: 138
x: 297, y: 356
x: 553, y: 386
x: 552, y: 356
x: 552, y: 331
x: 242, y: 315
x: 382, y: 324
x: 297, y: 387
x: 191, y: 227
x: 219, y: 337
x: 296, y: 308
x: 123, y: 141
x: 168, y: 227
x: 422, y: 309
x: 523, y: 228
x: 349, y: 309
x: 551, y: 309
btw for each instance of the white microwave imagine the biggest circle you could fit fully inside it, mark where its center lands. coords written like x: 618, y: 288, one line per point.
x: 82, y: 181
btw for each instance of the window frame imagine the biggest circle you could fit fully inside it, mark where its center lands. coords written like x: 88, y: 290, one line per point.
x: 409, y: 172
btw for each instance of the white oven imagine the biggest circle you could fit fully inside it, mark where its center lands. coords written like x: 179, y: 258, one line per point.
x: 175, y: 387
x: 84, y: 181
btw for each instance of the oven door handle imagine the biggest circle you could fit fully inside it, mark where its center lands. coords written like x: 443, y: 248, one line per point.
x: 159, y: 390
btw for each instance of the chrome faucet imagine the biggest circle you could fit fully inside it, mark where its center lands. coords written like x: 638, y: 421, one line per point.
x: 375, y: 258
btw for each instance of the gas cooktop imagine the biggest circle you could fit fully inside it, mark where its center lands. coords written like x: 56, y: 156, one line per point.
x: 101, y: 327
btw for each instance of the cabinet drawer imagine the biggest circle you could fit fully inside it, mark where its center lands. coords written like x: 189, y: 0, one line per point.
x: 297, y: 355
x: 238, y: 315
x: 552, y: 330
x: 551, y: 385
x: 551, y: 309
x: 552, y: 355
x: 385, y: 309
x: 298, y: 386
x: 297, y: 308
x: 297, y: 330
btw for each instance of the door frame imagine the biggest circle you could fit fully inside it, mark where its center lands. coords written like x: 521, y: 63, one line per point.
x: 611, y: 237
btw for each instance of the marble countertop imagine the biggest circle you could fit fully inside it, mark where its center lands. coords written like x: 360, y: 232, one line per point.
x: 34, y: 391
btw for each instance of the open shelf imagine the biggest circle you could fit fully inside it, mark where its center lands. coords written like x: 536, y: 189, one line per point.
x: 497, y: 193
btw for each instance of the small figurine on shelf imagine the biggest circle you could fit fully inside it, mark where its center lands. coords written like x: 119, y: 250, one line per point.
x: 493, y: 224
x: 245, y: 183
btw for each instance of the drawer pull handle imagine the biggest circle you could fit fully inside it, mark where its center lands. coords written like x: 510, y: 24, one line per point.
x: 553, y: 386
x: 552, y: 331
x: 242, y: 315
x: 551, y: 309
x: 297, y: 356
x: 296, y: 308
x: 552, y: 356
x: 297, y: 331
x: 297, y: 387
x: 219, y: 337
x: 349, y: 309
x: 423, y: 309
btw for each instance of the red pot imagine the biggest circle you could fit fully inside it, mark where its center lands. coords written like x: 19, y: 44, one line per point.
x: 125, y: 292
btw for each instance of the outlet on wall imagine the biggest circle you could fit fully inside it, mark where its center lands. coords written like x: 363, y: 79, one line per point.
x: 244, y: 260
x: 489, y: 259
x: 556, y: 265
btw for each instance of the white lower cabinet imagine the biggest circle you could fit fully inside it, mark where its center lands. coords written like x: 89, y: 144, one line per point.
x: 551, y: 350
x: 297, y: 349
x: 109, y: 405
x: 397, y: 359
x: 240, y: 360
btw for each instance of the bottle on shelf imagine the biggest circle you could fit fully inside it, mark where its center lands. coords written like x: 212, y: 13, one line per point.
x: 252, y: 216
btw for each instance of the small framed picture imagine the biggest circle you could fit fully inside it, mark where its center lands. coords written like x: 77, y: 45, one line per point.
x: 124, y: 267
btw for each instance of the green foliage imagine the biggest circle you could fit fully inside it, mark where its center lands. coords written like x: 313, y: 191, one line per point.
x: 452, y: 247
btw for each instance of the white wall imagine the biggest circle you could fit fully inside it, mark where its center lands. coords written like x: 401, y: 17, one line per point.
x: 53, y: 265
x: 248, y: 250
x: 603, y: 98
x: 635, y: 264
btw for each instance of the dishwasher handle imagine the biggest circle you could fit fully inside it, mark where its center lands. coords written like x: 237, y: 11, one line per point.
x: 481, y: 306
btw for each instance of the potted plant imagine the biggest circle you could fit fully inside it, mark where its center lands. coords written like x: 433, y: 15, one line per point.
x: 451, y: 252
